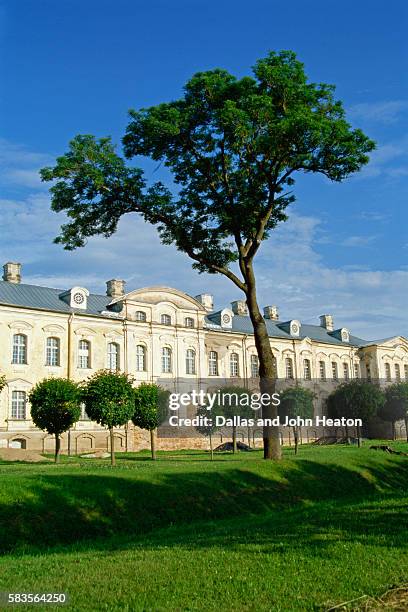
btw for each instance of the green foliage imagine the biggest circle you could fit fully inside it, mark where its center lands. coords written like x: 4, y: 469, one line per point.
x: 296, y: 402
x: 211, y: 427
x: 234, y: 400
x: 395, y: 407
x: 55, y: 404
x: 150, y: 406
x: 109, y: 398
x: 233, y: 147
x: 355, y: 400
x: 3, y: 382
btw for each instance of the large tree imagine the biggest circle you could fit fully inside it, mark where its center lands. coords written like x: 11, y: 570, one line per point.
x: 296, y: 402
x: 150, y: 409
x: 395, y: 407
x: 356, y: 399
x: 232, y: 146
x: 55, y: 407
x: 109, y: 400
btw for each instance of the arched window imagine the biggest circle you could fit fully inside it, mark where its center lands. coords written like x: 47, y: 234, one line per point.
x: 166, y: 360
x: 140, y: 315
x: 346, y: 373
x: 335, y: 372
x: 397, y: 371
x: 274, y: 366
x: 140, y: 358
x: 234, y: 365
x: 387, y: 372
x: 213, y: 363
x: 18, y: 405
x: 322, y: 370
x: 189, y: 322
x: 52, y: 352
x: 254, y: 366
x: 113, y: 356
x: 19, y: 349
x: 406, y: 371
x: 289, y: 368
x: 356, y: 370
x: 368, y: 371
x: 190, y: 361
x: 84, y: 354
x: 306, y: 369
x: 165, y: 319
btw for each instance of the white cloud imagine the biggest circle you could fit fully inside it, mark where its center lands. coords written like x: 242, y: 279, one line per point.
x: 379, y: 112
x: 358, y: 241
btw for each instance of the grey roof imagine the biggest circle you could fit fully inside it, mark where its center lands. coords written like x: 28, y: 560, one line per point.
x: 276, y: 329
x: 45, y: 298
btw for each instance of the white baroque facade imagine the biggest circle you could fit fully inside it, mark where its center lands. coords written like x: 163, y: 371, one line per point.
x: 158, y: 333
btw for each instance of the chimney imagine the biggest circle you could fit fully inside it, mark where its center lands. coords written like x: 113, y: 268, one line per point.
x: 12, y: 272
x: 115, y: 288
x: 326, y: 321
x: 206, y: 300
x: 239, y: 307
x: 271, y: 312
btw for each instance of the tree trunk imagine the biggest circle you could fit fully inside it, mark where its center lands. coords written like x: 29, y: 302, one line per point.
x: 211, y: 448
x: 249, y: 437
x: 394, y: 437
x: 347, y: 436
x: 234, y: 439
x: 153, y: 444
x: 112, y: 446
x: 57, y: 448
x: 271, y: 441
x: 358, y: 436
x: 296, y: 438
x: 406, y: 427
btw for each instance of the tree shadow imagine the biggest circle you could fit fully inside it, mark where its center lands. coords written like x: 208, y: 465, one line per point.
x: 306, y: 504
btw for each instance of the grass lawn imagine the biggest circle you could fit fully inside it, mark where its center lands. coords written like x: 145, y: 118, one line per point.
x: 185, y: 533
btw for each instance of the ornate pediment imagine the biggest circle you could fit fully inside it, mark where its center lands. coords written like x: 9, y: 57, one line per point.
x: 161, y: 295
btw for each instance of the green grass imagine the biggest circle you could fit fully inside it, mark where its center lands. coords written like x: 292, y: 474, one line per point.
x: 185, y: 533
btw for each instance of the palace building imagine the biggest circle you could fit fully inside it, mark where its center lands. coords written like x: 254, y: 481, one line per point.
x: 158, y: 333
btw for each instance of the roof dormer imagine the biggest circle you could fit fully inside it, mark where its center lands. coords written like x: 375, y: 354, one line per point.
x: 342, y: 334
x: 292, y: 327
x: 77, y: 297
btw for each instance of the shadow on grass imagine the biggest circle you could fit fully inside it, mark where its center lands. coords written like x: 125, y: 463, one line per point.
x: 304, y: 501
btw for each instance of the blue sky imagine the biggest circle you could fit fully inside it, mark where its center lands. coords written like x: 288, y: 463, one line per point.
x: 77, y: 67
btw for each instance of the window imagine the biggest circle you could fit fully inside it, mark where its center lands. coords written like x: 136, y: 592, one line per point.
x: 19, y: 349
x: 234, y: 365
x: 387, y: 372
x: 140, y: 315
x: 189, y: 322
x: 368, y: 371
x: 406, y: 371
x: 166, y: 360
x: 165, y: 319
x: 190, y: 361
x: 289, y: 368
x: 335, y: 374
x: 84, y: 354
x: 254, y: 366
x: 356, y: 370
x: 322, y: 370
x: 397, y: 371
x: 52, y: 352
x: 113, y: 356
x: 18, y: 405
x: 306, y: 369
x: 213, y: 363
x: 140, y: 358
x: 346, y: 373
